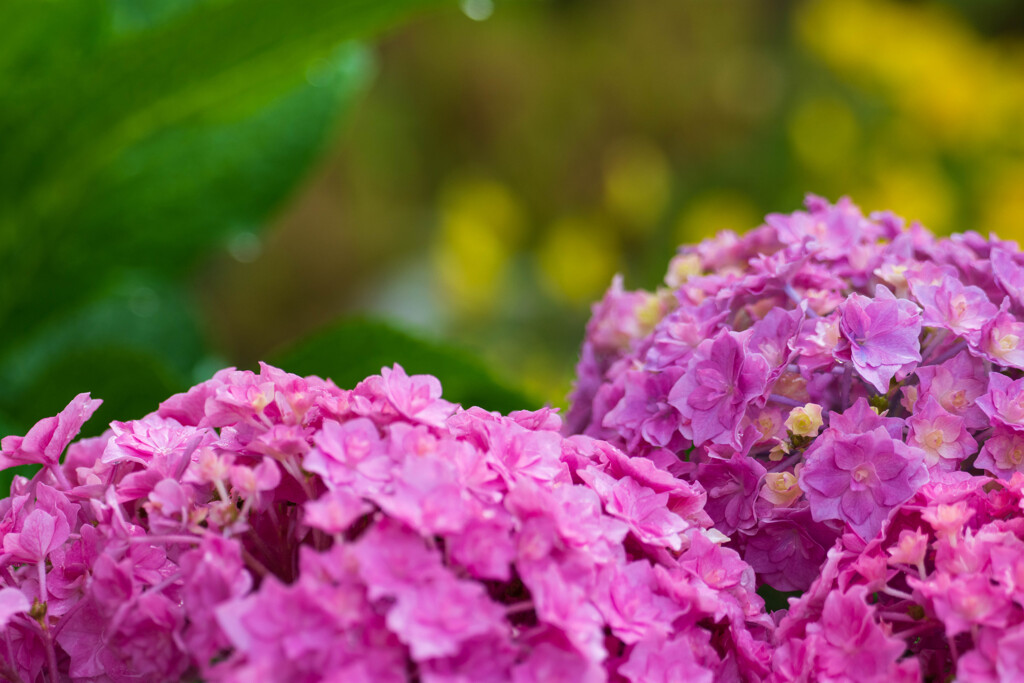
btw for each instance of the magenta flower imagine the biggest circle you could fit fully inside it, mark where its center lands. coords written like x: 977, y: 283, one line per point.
x: 646, y: 512
x: 956, y: 384
x: 630, y: 601
x: 787, y: 551
x: 350, y: 454
x: 665, y: 662
x: 1003, y: 453
x: 902, y: 518
x: 850, y: 640
x: 950, y: 559
x: 643, y: 412
x: 153, y: 438
x: 1004, y: 402
x: 417, y: 398
x: 961, y: 309
x: 961, y: 602
x: 860, y: 478
x: 1002, y: 339
x: 941, y: 435
x: 860, y: 417
x: 733, y: 486
x: 883, y: 334
x: 720, y: 383
x: 12, y: 602
x: 40, y: 534
x: 46, y: 441
x: 1008, y: 269
x: 440, y: 615
x: 335, y: 511
x: 549, y: 662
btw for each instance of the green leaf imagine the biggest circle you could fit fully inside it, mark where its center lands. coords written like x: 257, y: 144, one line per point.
x: 131, y: 383
x: 8, y: 475
x: 142, y: 332
x: 158, y: 133
x: 352, y: 349
x: 143, y: 314
x: 8, y: 426
x: 193, y: 185
x: 42, y: 38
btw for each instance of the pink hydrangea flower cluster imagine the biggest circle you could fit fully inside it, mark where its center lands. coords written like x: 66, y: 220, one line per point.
x: 268, y: 527
x: 848, y: 391
x: 813, y: 374
x: 939, y: 595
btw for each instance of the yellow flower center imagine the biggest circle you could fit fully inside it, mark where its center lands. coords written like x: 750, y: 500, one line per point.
x: 861, y: 474
x: 781, y: 482
x: 959, y: 306
x: 934, y: 439
x: 958, y: 399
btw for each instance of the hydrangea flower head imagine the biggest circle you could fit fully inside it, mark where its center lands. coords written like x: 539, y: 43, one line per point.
x: 269, y: 527
x: 952, y: 574
x: 896, y: 508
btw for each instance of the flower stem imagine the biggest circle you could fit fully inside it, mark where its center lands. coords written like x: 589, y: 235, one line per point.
x: 953, y: 350
x: 896, y: 593
x: 785, y: 400
x: 787, y: 462
x: 170, y: 538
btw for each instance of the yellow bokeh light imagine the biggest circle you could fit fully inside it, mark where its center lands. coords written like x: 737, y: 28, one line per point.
x: 933, y: 66
x: 481, y: 227
x: 714, y: 211
x: 637, y: 183
x: 1002, y: 205
x: 915, y: 189
x: 824, y: 133
x: 577, y: 259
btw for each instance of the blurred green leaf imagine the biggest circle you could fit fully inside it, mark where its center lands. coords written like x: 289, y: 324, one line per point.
x: 7, y: 426
x: 191, y: 186
x: 138, y: 313
x: 154, y: 134
x: 42, y: 38
x: 130, y: 381
x: 353, y: 349
x: 7, y: 476
x: 128, y: 16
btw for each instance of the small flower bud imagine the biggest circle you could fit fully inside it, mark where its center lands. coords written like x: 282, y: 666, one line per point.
x: 805, y: 421
x: 780, y: 488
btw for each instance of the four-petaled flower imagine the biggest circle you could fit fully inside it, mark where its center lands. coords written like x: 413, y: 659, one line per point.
x: 714, y: 394
x: 884, y: 336
x: 860, y: 478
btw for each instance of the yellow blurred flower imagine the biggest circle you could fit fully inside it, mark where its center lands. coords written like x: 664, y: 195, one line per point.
x: 577, y: 259
x: 1002, y: 202
x: 481, y: 227
x: 934, y: 67
x: 917, y: 189
x: 637, y: 183
x: 714, y: 211
x: 824, y: 134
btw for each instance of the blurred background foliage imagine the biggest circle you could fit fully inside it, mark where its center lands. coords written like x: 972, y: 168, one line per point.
x: 186, y: 184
